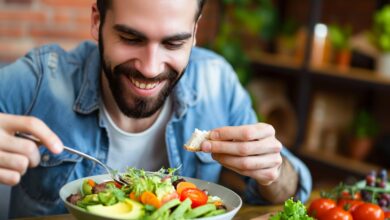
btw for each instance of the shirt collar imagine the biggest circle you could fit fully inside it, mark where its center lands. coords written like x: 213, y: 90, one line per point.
x: 87, y: 100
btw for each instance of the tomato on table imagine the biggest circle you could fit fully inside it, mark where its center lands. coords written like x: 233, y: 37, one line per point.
x: 347, y: 195
x: 368, y: 211
x: 387, y: 215
x: 197, y: 196
x: 319, y: 206
x: 336, y: 213
x: 349, y: 204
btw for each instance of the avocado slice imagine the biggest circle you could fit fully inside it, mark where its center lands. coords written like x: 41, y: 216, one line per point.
x: 126, y: 209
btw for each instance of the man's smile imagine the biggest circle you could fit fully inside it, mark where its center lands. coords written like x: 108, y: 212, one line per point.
x: 145, y: 88
x: 144, y: 85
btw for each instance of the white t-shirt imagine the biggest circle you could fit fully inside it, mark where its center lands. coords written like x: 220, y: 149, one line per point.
x: 145, y: 150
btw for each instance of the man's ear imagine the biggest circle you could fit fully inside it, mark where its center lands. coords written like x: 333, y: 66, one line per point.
x: 196, y: 31
x: 95, y: 22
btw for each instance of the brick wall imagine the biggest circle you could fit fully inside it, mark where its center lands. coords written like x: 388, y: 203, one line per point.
x: 25, y: 24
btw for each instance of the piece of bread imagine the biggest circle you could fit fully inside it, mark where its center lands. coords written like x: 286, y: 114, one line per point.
x: 198, y: 136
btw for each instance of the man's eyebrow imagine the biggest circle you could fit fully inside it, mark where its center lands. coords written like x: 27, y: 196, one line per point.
x: 177, y: 37
x: 130, y: 31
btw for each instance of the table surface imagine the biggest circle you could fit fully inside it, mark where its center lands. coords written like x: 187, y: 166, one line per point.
x: 245, y: 213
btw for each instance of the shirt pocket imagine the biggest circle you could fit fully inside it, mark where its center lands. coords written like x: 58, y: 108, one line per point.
x: 44, y: 182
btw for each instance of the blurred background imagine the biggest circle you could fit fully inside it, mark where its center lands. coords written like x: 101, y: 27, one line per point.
x: 318, y: 71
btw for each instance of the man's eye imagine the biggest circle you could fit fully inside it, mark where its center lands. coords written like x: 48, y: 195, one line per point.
x: 174, y: 45
x: 131, y: 40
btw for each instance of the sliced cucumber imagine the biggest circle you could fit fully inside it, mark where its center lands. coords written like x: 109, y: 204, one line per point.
x: 165, y: 207
x: 214, y: 213
x: 181, y: 209
x: 199, y: 211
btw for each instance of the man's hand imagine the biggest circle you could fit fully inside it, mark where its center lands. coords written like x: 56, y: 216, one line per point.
x: 250, y: 150
x: 254, y: 151
x: 17, y: 154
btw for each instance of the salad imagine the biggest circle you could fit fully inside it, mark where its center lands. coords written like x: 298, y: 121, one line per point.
x: 148, y: 195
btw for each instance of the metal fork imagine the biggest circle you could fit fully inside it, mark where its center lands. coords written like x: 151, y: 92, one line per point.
x: 114, y: 174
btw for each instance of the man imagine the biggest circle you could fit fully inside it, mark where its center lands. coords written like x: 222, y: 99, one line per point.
x: 135, y: 101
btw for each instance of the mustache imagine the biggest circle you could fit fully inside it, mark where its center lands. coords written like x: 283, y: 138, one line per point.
x: 129, y: 71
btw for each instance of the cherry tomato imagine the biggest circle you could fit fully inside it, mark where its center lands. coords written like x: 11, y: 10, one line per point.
x: 347, y: 195
x: 197, y: 196
x: 319, y: 206
x: 336, y: 213
x: 349, y: 204
x: 387, y: 215
x: 368, y: 211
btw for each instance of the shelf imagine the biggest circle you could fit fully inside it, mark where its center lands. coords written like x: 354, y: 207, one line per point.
x: 355, y: 74
x: 339, y: 161
x: 274, y: 63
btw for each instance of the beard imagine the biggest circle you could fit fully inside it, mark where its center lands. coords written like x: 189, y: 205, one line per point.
x: 130, y: 104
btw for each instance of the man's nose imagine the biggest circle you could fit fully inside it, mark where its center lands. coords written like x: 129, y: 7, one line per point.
x: 150, y: 61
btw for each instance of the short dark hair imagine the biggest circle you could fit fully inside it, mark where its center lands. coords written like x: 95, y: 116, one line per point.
x: 104, y: 5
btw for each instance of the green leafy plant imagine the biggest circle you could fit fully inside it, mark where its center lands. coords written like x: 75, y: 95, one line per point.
x: 242, y: 18
x: 339, y: 36
x: 381, y: 29
x: 364, y: 125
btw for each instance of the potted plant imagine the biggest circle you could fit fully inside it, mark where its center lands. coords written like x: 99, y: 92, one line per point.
x: 339, y: 39
x: 381, y: 39
x: 363, y: 132
x: 255, y: 24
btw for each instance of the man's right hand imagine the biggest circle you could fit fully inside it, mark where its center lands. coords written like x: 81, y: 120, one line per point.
x: 18, y: 154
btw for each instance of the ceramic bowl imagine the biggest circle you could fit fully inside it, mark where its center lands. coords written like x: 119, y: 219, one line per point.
x: 232, y: 201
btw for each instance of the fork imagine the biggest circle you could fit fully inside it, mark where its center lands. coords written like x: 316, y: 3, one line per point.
x: 114, y: 174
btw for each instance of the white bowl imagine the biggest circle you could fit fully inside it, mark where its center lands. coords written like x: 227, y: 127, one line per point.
x: 231, y: 200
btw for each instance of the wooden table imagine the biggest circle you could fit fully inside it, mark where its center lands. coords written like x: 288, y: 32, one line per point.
x: 245, y: 213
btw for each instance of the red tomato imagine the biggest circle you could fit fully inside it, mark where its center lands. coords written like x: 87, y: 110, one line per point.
x: 368, y: 211
x: 387, y: 215
x: 349, y: 204
x: 197, y: 196
x: 336, y: 213
x: 346, y: 195
x: 319, y: 206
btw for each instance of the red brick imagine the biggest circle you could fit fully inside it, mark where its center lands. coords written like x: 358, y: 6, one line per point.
x: 61, y: 17
x: 10, y: 31
x: 10, y: 50
x: 83, y: 18
x: 69, y: 3
x: 58, y: 32
x: 22, y: 15
x: 24, y: 2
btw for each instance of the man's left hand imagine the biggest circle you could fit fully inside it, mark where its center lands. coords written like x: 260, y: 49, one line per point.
x: 250, y: 150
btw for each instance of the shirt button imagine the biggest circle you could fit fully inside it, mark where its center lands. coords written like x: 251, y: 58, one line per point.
x: 45, y: 157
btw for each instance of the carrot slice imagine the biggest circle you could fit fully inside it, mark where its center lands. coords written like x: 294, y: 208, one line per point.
x: 133, y: 196
x: 149, y: 198
x: 184, y: 185
x: 91, y: 182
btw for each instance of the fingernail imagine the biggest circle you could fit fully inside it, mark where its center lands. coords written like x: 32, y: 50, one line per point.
x: 206, y: 146
x: 214, y: 135
x: 58, y: 147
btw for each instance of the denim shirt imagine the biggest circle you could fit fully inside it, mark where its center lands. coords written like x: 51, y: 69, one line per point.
x: 63, y: 89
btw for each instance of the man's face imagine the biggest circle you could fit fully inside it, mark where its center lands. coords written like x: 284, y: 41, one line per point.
x: 145, y: 47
